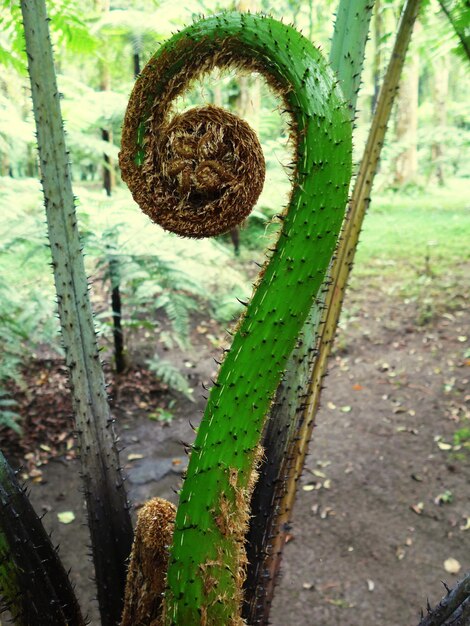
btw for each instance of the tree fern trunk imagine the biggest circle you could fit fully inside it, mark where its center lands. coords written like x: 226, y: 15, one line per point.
x: 108, y: 515
x: 452, y: 609
x: 34, y: 585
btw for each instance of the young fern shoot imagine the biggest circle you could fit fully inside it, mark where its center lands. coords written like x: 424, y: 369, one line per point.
x: 207, y: 562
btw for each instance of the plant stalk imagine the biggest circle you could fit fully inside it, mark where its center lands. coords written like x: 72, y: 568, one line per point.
x: 286, y: 415
x: 34, y: 585
x: 108, y: 514
x: 457, y: 599
x: 206, y: 568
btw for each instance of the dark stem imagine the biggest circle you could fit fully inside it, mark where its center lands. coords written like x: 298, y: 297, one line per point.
x: 107, y: 178
x: 114, y: 273
x: 235, y: 237
x: 136, y: 60
x: 458, y: 599
x: 119, y: 358
x: 44, y: 595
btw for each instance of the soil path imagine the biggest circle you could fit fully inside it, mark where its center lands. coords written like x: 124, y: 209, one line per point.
x: 381, y: 505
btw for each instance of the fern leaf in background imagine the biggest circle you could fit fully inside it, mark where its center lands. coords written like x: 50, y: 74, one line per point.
x: 458, y: 14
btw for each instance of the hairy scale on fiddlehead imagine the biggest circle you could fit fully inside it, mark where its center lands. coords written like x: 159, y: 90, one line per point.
x: 202, y: 171
x: 206, y: 567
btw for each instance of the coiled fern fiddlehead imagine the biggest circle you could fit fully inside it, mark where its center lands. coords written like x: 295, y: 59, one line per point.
x: 162, y: 168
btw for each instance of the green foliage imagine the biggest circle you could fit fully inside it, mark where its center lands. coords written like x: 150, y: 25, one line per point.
x: 403, y: 228
x: 68, y: 29
x: 27, y: 319
x: 458, y: 13
x: 162, y: 277
x: 15, y: 133
x: 170, y: 375
x: 163, y: 415
x: 24, y: 326
x: 462, y: 437
x: 8, y: 417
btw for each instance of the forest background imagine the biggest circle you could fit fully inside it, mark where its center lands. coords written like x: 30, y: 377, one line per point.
x: 99, y: 49
x: 161, y: 302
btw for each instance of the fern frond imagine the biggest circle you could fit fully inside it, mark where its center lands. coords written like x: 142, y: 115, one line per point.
x: 170, y: 375
x: 458, y: 14
x: 8, y: 417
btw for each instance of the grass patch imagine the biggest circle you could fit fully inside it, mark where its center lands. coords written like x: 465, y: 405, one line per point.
x: 415, y: 233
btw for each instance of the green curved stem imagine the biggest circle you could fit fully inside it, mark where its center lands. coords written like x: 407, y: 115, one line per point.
x: 206, y: 569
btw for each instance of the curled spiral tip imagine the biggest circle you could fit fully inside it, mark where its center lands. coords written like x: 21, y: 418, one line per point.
x: 202, y: 172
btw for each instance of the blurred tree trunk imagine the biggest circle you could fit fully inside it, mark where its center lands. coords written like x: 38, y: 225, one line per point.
x: 406, y: 123
x: 248, y: 104
x: 377, y: 60
x: 440, y: 93
x: 108, y: 185
x: 105, y: 85
x: 106, y: 133
x: 136, y: 51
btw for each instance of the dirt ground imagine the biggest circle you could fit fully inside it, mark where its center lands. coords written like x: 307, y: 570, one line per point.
x: 383, y: 502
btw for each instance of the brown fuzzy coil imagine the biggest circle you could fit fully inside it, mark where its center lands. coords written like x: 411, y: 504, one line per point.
x: 202, y: 174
